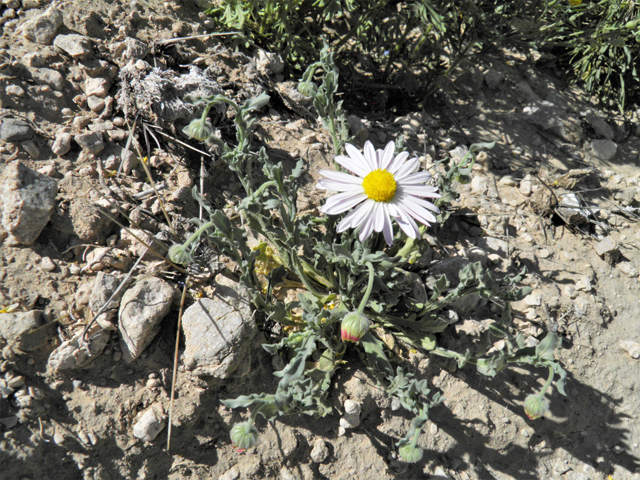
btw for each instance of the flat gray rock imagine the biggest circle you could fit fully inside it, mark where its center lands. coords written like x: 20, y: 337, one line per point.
x: 91, y: 142
x: 15, y: 130
x: 26, y: 202
x: 218, y: 332
x: 142, y: 308
x: 605, y: 150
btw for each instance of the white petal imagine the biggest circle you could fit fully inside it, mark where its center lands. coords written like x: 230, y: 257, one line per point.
x: 352, y: 165
x: 397, y: 162
x: 342, y: 202
x: 407, y: 225
x: 387, y: 155
x: 419, y: 213
x: 406, y: 169
x: 324, y: 184
x: 358, y: 158
x: 366, y: 229
x: 414, y: 178
x: 378, y: 216
x: 418, y: 190
x: 356, y: 217
x: 388, y: 230
x: 370, y: 155
x: 423, y: 203
x: 340, y: 177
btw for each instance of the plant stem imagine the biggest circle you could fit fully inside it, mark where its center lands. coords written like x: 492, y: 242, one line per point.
x: 365, y: 299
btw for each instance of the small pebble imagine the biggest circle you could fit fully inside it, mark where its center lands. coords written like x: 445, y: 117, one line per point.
x: 47, y: 264
x: 320, y: 451
x: 77, y: 384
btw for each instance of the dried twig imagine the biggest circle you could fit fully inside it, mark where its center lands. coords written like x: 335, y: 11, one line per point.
x: 175, y: 361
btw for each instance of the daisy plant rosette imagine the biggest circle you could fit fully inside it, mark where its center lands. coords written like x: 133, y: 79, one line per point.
x: 383, y: 186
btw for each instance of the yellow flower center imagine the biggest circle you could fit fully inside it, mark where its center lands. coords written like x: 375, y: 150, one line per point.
x: 379, y: 185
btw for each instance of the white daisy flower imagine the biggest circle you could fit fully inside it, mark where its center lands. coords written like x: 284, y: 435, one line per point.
x: 385, y: 187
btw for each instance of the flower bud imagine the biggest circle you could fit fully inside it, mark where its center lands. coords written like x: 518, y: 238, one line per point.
x: 180, y: 255
x: 198, y: 130
x: 243, y: 435
x: 535, y: 406
x: 410, y: 453
x: 307, y: 88
x: 354, y: 326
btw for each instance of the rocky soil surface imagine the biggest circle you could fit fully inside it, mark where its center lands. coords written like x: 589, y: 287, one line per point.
x: 558, y: 194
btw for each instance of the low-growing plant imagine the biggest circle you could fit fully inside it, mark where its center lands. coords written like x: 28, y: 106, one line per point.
x: 355, y: 285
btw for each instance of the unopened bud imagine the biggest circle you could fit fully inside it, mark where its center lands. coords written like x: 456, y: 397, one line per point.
x: 307, y: 88
x: 180, y: 255
x: 535, y: 406
x: 410, y: 453
x: 198, y: 130
x: 243, y: 435
x: 354, y: 326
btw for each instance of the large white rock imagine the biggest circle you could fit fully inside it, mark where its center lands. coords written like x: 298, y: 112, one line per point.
x: 26, y: 203
x: 219, y: 332
x: 142, y: 308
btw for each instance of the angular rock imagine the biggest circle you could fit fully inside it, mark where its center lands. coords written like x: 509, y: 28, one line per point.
x: 104, y: 286
x: 74, y: 353
x: 358, y: 129
x: 48, y: 76
x: 493, y: 78
x: 605, y: 150
x: 91, y: 142
x: 320, y: 451
x: 549, y: 117
x: 15, y: 130
x: 14, y: 91
x: 77, y: 46
x: 149, y: 423
x: 524, y: 91
x: 142, y: 308
x: 269, y: 63
x: 95, y: 104
x: 632, y: 348
x: 607, y: 245
x: 31, y: 148
x: 479, y: 185
x: 602, y: 128
x: 626, y: 196
x: 494, y: 245
x: 218, y: 332
x: 13, y: 325
x: 26, y: 202
x: 62, y: 144
x: 42, y: 28
x: 97, y: 86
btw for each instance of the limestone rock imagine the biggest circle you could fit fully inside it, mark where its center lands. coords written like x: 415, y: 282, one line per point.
x: 13, y: 325
x: 218, y: 332
x: 91, y: 142
x: 62, y: 144
x: 74, y: 353
x: 150, y: 423
x: 26, y: 202
x: 141, y: 310
x: 103, y: 287
x: 77, y: 46
x: 42, y: 28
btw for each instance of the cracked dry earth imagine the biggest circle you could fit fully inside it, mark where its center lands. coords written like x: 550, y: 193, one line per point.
x: 558, y: 194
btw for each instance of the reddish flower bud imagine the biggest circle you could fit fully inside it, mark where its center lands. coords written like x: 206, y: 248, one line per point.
x: 354, y: 326
x: 535, y: 406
